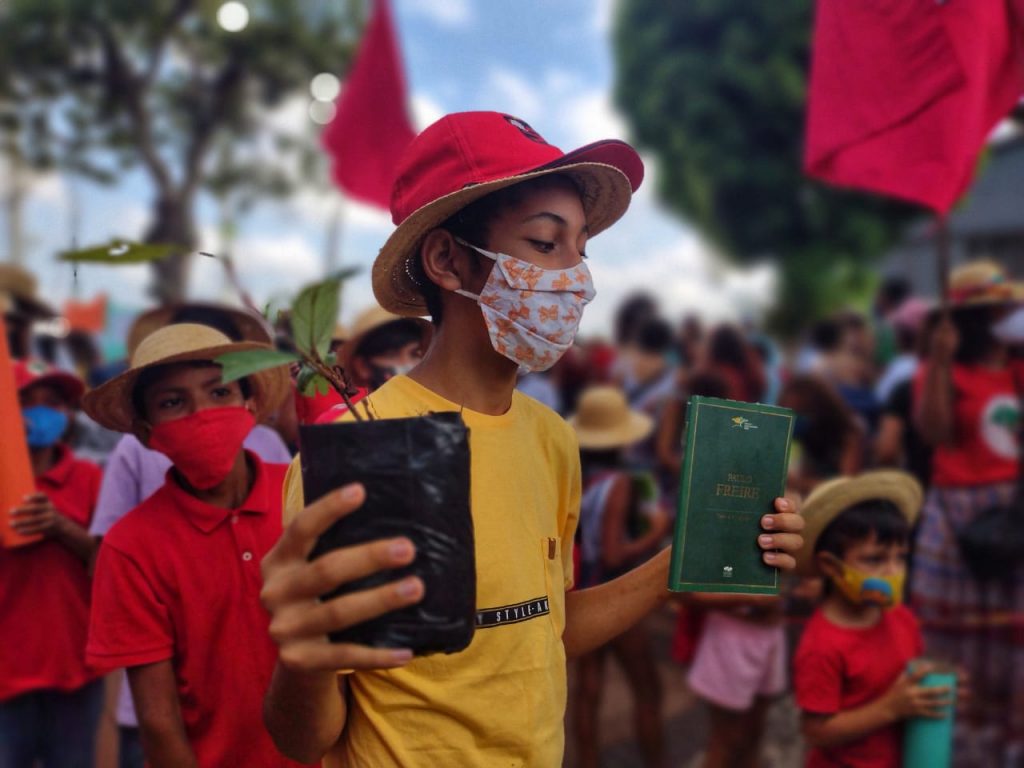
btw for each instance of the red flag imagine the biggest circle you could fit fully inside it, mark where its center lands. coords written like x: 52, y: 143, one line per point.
x: 371, y: 127
x: 903, y: 94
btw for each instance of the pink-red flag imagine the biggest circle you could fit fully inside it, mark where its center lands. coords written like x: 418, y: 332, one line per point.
x: 904, y: 93
x: 371, y: 127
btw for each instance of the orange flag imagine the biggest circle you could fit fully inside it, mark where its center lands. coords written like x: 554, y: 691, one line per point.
x: 16, y: 480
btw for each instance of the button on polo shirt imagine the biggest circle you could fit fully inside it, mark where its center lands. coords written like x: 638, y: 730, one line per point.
x: 44, y: 592
x: 178, y: 579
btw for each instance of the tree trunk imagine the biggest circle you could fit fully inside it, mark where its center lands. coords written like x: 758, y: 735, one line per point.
x: 173, y: 224
x: 14, y: 201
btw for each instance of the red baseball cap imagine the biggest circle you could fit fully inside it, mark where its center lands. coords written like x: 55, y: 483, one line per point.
x: 28, y: 373
x: 467, y: 155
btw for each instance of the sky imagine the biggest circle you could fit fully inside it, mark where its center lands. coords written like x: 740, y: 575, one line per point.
x: 550, y: 63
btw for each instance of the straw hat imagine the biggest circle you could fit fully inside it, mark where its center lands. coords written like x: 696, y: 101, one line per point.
x: 28, y: 373
x: 980, y: 283
x: 370, y: 320
x: 111, y: 404
x: 251, y: 327
x: 833, y: 496
x: 18, y: 288
x: 604, y: 420
x: 465, y: 156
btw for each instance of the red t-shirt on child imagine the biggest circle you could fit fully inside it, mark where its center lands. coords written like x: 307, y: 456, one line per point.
x: 840, y: 668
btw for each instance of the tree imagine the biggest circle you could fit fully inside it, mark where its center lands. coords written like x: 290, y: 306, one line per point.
x: 94, y: 87
x: 717, y: 90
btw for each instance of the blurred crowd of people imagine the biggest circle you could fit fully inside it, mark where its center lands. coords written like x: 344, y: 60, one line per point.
x: 906, y: 385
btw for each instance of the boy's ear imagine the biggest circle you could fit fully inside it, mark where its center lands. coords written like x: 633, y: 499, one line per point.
x: 828, y: 564
x: 438, y: 255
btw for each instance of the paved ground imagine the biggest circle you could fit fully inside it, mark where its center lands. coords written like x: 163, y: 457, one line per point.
x: 685, y: 717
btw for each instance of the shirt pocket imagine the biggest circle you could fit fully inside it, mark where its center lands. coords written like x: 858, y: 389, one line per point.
x: 554, y: 581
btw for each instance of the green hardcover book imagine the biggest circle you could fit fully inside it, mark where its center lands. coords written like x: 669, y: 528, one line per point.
x: 735, y: 467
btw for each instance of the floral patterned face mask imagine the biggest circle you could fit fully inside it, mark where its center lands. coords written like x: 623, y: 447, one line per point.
x: 531, y: 313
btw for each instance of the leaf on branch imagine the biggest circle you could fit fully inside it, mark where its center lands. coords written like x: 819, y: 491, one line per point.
x: 119, y: 252
x: 237, y: 365
x: 341, y: 275
x: 313, y: 317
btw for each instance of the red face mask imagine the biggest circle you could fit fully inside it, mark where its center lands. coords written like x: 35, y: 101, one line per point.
x: 204, y: 446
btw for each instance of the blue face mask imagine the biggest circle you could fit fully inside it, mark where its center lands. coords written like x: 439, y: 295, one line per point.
x: 44, y: 426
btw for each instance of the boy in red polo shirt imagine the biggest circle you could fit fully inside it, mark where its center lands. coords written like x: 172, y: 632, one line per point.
x: 176, y: 594
x: 50, y: 702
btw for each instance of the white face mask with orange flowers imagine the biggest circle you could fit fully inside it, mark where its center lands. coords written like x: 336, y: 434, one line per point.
x: 532, y: 314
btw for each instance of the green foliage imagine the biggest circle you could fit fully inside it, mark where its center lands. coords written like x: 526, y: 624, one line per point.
x: 118, y: 252
x: 716, y: 89
x: 238, y: 365
x: 97, y: 87
x: 313, y: 316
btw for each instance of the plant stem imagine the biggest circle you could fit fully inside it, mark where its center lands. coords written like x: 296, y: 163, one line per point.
x: 339, y: 380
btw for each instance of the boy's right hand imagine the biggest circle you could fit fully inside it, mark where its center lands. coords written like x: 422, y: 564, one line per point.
x: 299, y: 622
x: 908, y: 698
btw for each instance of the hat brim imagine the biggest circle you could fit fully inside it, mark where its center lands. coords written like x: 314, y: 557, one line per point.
x: 639, y: 426
x: 833, y: 496
x: 606, y: 174
x: 70, y: 387
x: 111, y: 405
x: 250, y: 327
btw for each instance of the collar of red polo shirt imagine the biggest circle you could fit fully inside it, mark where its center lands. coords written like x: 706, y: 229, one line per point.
x: 205, y: 516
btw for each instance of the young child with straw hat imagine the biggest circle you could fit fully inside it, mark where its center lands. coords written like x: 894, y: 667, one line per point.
x: 493, y: 225
x: 850, y: 670
x: 176, y: 588
x: 133, y: 472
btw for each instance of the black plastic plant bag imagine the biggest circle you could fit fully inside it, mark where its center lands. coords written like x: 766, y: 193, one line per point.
x: 416, y: 475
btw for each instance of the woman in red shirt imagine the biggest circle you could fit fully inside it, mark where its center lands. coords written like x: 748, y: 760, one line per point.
x: 50, y: 702
x: 967, y: 407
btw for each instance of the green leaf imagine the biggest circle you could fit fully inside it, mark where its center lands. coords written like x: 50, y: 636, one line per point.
x: 304, y: 381
x: 237, y: 365
x: 346, y: 273
x: 119, y: 252
x: 323, y: 386
x: 313, y: 317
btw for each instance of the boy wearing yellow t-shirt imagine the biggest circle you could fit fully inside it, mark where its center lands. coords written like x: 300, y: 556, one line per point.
x: 493, y: 224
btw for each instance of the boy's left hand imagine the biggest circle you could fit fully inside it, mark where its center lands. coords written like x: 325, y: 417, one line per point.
x: 37, y: 516
x: 782, y: 533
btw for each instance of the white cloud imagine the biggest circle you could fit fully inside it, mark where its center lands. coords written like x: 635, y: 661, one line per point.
x: 512, y: 93
x: 425, y: 111
x: 601, y: 20
x: 445, y: 13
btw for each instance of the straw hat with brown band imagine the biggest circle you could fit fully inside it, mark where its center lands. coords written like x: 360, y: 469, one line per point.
x: 111, y: 404
x: 468, y: 155
x: 604, y: 420
x: 251, y: 327
x: 369, y: 321
x: 834, y: 496
x: 18, y: 289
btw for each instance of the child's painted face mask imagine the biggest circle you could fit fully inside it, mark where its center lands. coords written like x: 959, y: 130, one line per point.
x: 867, y: 589
x: 532, y: 314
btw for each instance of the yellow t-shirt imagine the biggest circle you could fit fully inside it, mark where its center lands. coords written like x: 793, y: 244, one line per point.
x: 500, y: 702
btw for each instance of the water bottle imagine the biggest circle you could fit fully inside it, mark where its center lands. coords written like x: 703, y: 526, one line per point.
x: 928, y: 742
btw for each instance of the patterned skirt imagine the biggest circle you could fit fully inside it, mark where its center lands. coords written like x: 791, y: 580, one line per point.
x: 977, y: 626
